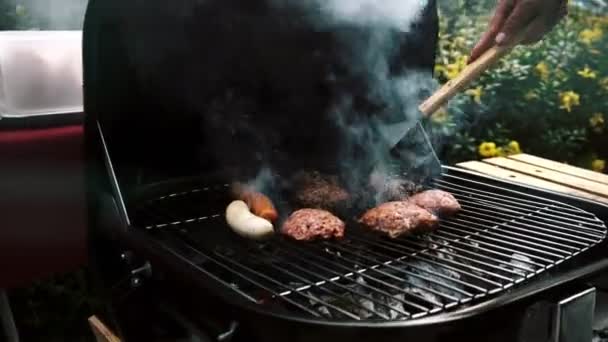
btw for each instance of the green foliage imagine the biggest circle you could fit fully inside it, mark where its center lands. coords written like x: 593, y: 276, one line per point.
x: 563, y: 143
x: 8, y: 18
x: 16, y: 17
x: 551, y: 97
x: 55, y: 309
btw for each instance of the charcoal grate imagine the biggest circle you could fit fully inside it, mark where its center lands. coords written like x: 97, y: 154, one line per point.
x: 501, y: 238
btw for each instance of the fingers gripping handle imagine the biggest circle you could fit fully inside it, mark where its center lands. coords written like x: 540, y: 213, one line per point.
x: 468, y: 75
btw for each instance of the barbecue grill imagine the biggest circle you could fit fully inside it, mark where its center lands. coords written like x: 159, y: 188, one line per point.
x: 500, y: 239
x: 507, y: 246
x: 513, y: 265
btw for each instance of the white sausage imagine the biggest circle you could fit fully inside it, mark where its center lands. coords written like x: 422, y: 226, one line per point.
x: 246, y: 224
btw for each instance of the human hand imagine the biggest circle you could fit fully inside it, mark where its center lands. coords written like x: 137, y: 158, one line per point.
x: 535, y: 17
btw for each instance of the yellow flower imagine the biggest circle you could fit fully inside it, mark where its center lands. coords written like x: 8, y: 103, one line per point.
x: 475, y: 93
x: 440, y: 116
x: 596, y: 20
x: 598, y: 165
x: 513, y: 147
x: 569, y: 99
x: 590, y: 36
x: 597, y: 122
x: 542, y: 69
x: 462, y: 60
x: 453, y: 69
x: 439, y: 69
x: 587, y: 73
x: 459, y: 42
x: 487, y: 149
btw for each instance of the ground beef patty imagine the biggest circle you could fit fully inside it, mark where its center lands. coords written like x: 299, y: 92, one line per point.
x: 312, y: 224
x: 439, y: 202
x: 399, y: 218
x: 387, y: 188
x: 314, y: 190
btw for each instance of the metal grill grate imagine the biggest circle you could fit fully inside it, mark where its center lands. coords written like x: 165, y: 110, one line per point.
x: 499, y: 239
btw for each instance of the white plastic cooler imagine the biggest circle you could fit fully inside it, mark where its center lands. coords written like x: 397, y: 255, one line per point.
x: 40, y: 73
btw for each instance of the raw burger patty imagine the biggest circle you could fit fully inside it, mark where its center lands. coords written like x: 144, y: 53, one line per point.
x: 398, y: 218
x: 436, y: 201
x: 312, y: 224
x: 314, y: 190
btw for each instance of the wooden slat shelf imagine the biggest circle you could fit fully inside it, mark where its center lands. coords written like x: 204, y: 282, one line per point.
x: 546, y: 174
x: 561, y: 167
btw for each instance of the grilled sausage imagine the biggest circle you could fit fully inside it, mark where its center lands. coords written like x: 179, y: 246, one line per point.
x: 245, y: 223
x: 259, y: 204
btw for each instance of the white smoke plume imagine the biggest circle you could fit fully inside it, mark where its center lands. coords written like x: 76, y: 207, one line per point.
x: 393, y: 13
x: 349, y: 49
x: 369, y: 33
x: 373, y: 49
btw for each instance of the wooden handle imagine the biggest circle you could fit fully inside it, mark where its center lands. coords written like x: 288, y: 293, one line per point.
x: 469, y: 74
x: 101, y: 332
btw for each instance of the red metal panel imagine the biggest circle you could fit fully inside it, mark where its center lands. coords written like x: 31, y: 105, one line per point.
x: 42, y: 203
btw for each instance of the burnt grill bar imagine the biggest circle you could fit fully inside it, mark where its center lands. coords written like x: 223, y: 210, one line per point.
x: 498, y: 240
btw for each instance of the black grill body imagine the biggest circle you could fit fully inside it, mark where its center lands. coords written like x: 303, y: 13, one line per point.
x: 183, y: 279
x: 143, y: 136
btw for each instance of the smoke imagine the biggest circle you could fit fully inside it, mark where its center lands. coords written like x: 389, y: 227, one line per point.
x: 368, y: 156
x: 265, y: 180
x: 268, y: 78
x: 398, y: 14
x: 392, y: 91
x: 376, y: 94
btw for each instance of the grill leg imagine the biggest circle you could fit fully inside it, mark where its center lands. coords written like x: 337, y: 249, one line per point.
x: 9, y: 329
x: 574, y: 317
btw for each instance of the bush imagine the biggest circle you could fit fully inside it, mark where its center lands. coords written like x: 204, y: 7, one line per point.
x: 41, y: 15
x: 548, y: 99
x: 16, y: 17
